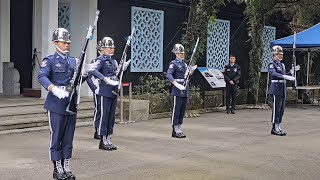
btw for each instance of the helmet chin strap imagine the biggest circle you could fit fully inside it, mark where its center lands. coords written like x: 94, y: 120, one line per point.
x: 277, y: 58
x: 63, y: 52
x: 180, y: 58
x: 106, y: 53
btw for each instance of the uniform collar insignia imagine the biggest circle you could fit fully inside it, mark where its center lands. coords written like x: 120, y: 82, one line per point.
x: 58, y: 55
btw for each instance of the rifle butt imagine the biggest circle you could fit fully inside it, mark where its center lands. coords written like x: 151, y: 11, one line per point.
x: 72, y: 106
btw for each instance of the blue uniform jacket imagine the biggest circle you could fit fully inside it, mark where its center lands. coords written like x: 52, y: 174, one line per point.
x: 277, y: 70
x: 93, y: 82
x: 177, y: 71
x: 106, y: 67
x: 58, y: 70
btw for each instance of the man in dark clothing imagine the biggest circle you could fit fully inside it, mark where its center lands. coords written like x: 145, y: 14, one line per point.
x: 232, y: 75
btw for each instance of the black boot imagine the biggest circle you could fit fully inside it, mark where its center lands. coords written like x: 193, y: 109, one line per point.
x: 179, y: 135
x: 173, y: 131
x: 232, y: 111
x: 106, y: 147
x: 59, y: 176
x: 56, y: 175
x: 113, y: 147
x: 283, y: 133
x: 67, y: 171
x: 228, y: 111
x: 277, y: 132
x: 70, y: 175
x: 183, y: 135
x: 96, y: 136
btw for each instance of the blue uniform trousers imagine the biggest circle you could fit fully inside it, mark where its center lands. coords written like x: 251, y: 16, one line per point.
x: 97, y: 113
x: 179, y: 108
x: 62, y: 129
x: 278, y: 105
x: 107, y: 118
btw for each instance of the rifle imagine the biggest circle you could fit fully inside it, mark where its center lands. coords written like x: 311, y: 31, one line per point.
x: 74, y: 98
x: 187, y: 77
x: 123, y: 58
x: 294, y: 59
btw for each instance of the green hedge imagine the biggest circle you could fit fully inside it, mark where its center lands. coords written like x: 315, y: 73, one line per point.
x: 156, y: 90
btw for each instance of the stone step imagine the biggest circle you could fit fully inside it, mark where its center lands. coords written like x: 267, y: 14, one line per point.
x: 34, y: 111
x: 84, y: 115
x: 37, y: 122
x: 37, y: 108
x: 29, y: 114
x: 87, y: 114
x: 86, y: 122
x: 19, y: 102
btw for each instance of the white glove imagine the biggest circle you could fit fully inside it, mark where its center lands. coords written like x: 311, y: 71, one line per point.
x: 59, y: 92
x: 111, y: 82
x: 126, y: 65
x: 179, y: 86
x: 192, y: 68
x: 89, y: 67
x: 290, y: 78
x: 292, y: 70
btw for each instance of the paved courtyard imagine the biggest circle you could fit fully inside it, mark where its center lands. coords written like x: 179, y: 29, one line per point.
x: 218, y: 146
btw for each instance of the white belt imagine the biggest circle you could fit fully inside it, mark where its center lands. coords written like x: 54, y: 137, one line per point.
x: 63, y: 87
x: 114, y: 78
x: 179, y: 80
x: 278, y: 81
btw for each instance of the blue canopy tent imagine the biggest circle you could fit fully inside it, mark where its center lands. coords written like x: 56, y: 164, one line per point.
x: 307, y: 40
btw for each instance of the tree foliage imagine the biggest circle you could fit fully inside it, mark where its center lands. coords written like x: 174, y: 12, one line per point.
x: 201, y: 13
x: 257, y: 12
x: 303, y: 12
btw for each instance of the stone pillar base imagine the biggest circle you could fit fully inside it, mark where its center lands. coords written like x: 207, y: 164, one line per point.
x: 11, y: 78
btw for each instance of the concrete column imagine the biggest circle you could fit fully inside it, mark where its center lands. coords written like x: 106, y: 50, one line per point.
x: 37, y: 40
x: 49, y: 23
x: 4, y: 37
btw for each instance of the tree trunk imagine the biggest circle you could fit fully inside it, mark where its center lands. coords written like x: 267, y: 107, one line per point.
x: 257, y: 26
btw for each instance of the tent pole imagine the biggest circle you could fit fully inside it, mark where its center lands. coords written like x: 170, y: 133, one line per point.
x: 308, y: 68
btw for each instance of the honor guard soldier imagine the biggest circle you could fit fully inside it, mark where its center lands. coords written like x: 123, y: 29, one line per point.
x: 93, y: 84
x: 176, y: 74
x: 232, y: 74
x: 106, y: 72
x: 277, y: 89
x: 55, y: 74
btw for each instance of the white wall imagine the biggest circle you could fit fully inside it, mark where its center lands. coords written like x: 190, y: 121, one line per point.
x: 4, y: 37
